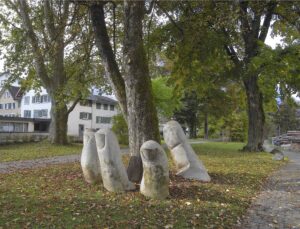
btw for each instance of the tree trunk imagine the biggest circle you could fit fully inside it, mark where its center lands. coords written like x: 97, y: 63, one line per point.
x: 206, y: 126
x: 256, y: 117
x: 142, y: 117
x: 59, y: 124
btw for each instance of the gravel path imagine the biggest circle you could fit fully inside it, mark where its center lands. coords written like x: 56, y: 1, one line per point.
x: 278, y: 205
x: 9, y: 167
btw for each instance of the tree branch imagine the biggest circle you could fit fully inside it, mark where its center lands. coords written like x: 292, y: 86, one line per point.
x: 39, y: 59
x: 148, y: 11
x: 107, y: 55
x: 266, y: 25
x: 171, y: 19
x: 49, y: 20
x: 71, y: 108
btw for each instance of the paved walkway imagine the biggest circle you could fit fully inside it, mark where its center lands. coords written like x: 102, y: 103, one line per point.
x: 278, y: 205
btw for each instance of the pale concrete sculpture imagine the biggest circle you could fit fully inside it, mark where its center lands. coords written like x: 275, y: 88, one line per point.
x: 155, y: 181
x: 113, y: 171
x: 187, y: 162
x: 277, y: 154
x: 90, y: 163
x: 268, y: 147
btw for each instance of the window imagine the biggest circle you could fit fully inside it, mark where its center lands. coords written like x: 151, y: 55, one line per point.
x: 27, y: 114
x: 1, y: 106
x: 6, y: 94
x: 98, y: 105
x: 13, y: 106
x: 86, y: 103
x: 13, y: 127
x: 36, y: 99
x: 103, y: 120
x: 8, y: 106
x: 40, y: 113
x: 105, y: 106
x: 85, y: 116
x: 45, y: 99
x: 112, y: 107
x: 41, y: 99
x: 26, y: 100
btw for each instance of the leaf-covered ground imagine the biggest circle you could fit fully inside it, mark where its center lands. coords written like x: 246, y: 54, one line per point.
x: 28, y: 151
x: 58, y: 197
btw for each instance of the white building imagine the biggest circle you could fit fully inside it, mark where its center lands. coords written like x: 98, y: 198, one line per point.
x: 94, y: 112
x: 36, y: 104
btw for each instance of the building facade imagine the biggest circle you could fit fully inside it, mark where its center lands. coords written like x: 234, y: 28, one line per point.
x: 94, y: 112
x: 10, y: 101
x: 34, y: 108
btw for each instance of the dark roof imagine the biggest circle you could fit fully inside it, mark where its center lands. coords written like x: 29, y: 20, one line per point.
x: 102, y: 99
x: 15, y: 92
x: 6, y: 118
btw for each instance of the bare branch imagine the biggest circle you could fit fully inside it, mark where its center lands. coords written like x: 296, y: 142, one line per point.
x: 148, y: 11
x: 107, y: 55
x: 171, y: 19
x: 71, y: 108
x: 266, y: 25
x: 49, y: 20
x: 39, y: 59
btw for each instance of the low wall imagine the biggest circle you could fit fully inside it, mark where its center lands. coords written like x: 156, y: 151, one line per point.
x: 7, y: 138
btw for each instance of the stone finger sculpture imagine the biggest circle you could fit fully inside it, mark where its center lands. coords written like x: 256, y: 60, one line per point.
x: 267, y: 147
x: 90, y: 163
x: 113, y: 171
x: 155, y: 181
x: 186, y: 161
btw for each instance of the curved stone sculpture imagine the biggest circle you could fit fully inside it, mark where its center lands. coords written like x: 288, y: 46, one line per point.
x: 267, y: 147
x: 90, y: 163
x: 113, y: 171
x: 155, y: 181
x: 187, y: 163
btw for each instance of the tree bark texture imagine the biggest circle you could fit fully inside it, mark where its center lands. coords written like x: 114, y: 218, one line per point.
x: 256, y: 117
x: 133, y: 90
x: 54, y: 80
x: 59, y: 124
x: 142, y: 116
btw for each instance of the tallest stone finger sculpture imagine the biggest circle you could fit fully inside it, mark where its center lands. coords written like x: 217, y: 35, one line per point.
x: 186, y: 161
x: 114, y: 174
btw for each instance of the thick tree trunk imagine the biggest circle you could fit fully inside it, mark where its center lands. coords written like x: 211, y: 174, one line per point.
x: 133, y: 90
x: 256, y: 117
x: 206, y: 126
x: 142, y: 117
x: 59, y: 124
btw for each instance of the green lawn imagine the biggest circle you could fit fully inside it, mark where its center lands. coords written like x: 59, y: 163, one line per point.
x: 27, y: 151
x: 58, y: 197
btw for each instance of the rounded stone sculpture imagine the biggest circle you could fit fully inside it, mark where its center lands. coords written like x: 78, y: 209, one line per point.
x: 90, y: 163
x: 267, y: 147
x: 113, y: 171
x: 277, y: 155
x: 186, y: 161
x: 155, y: 181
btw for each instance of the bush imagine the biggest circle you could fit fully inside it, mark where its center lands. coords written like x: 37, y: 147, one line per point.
x: 120, y: 129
